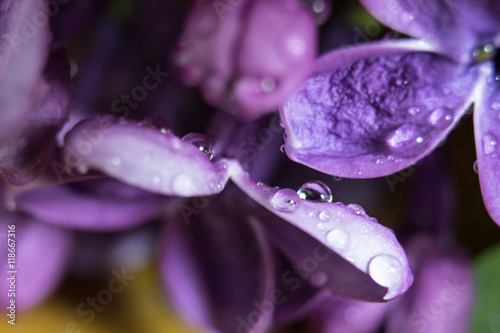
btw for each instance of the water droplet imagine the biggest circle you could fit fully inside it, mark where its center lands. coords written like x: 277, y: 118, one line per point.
x: 475, y: 168
x: 337, y: 178
x: 183, y: 185
x: 200, y: 141
x: 316, y: 191
x: 441, y: 117
x: 156, y: 179
x: 386, y: 270
x: 399, y: 82
x: 282, y: 149
x: 157, y: 123
x: 318, y: 279
x: 338, y: 239
x: 495, y: 106
x: 414, y: 110
x: 420, y: 139
x: 116, y: 161
x: 406, y: 82
x: 365, y: 228
x: 286, y: 200
x: 411, y: 16
x: 320, y: 9
x: 401, y: 136
x: 281, y: 123
x: 311, y: 214
x: 267, y: 84
x: 260, y: 183
x: 489, y: 143
x: 357, y: 209
x: 324, y: 216
x: 320, y: 226
x: 483, y: 52
x: 497, y: 78
x: 82, y: 169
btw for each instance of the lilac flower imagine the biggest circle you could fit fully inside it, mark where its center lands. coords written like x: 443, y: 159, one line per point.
x: 247, y: 55
x: 374, y: 109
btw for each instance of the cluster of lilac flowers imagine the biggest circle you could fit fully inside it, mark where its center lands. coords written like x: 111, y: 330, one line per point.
x: 83, y: 152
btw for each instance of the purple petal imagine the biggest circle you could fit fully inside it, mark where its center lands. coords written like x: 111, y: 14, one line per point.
x: 145, y: 157
x: 353, y: 255
x: 23, y: 54
x: 456, y: 26
x: 218, y: 271
x: 487, y: 133
x: 257, y: 52
x: 340, y: 315
x: 374, y: 110
x: 95, y: 205
x: 24, y: 153
x: 42, y: 257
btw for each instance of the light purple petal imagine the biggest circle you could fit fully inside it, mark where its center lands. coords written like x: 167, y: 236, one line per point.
x: 247, y: 56
x: 487, y: 134
x: 143, y: 156
x: 22, y: 156
x: 353, y: 255
x: 340, y: 315
x: 218, y: 271
x: 374, y: 110
x: 456, y: 26
x: 42, y: 257
x: 23, y: 54
x: 95, y: 205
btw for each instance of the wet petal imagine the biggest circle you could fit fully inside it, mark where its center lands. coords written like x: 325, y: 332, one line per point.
x: 217, y: 269
x: 23, y: 54
x: 247, y: 68
x: 339, y: 315
x: 456, y: 26
x: 374, y: 110
x: 487, y: 133
x: 24, y: 153
x: 42, y: 257
x: 152, y: 159
x: 95, y: 205
x: 354, y: 255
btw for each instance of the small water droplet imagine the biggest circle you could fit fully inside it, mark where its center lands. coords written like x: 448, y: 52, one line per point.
x: 406, y: 82
x: 183, y: 185
x: 286, y: 200
x: 337, y: 178
x: 311, y: 214
x: 497, y: 78
x: 320, y: 226
x: 316, y: 191
x: 420, y: 139
x: 267, y: 84
x: 116, y: 161
x: 260, y: 183
x: 157, y: 123
x: 475, y: 168
x: 401, y: 136
x: 365, y: 228
x: 156, y: 179
x: 483, y: 52
x: 441, y: 117
x: 386, y: 270
x: 357, y: 209
x: 282, y: 148
x: 411, y: 16
x: 200, y: 141
x: 399, y: 82
x: 489, y: 143
x: 324, y: 216
x: 281, y: 123
x: 338, y: 239
x: 414, y: 110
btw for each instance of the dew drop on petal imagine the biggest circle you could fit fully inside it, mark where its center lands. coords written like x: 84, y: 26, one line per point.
x: 414, y: 110
x: 475, y: 168
x: 489, y: 143
x: 401, y: 136
x: 357, y: 209
x: 337, y: 178
x: 267, y: 84
x: 324, y: 216
x: 282, y: 149
x: 315, y: 190
x: 483, y: 52
x: 320, y: 226
x: 441, y: 117
x: 116, y: 161
x: 183, y: 184
x: 286, y: 200
x: 157, y: 123
x: 156, y: 179
x: 200, y: 141
x: 338, y: 239
x: 386, y: 270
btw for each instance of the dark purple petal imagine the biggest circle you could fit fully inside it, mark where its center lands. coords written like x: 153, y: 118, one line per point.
x: 42, y: 257
x: 456, y: 26
x: 487, y: 133
x: 247, y: 56
x: 353, y: 255
x: 218, y: 271
x: 152, y: 159
x: 340, y: 315
x: 97, y: 205
x: 22, y: 156
x: 23, y: 54
x: 374, y: 110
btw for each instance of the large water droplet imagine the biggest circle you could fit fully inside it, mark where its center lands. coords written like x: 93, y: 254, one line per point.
x: 338, y: 239
x: 483, y: 52
x: 200, y: 141
x: 489, y: 143
x: 441, y: 117
x: 316, y: 191
x: 357, y: 209
x: 286, y: 200
x: 157, y: 123
x: 386, y: 270
x: 402, y: 136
